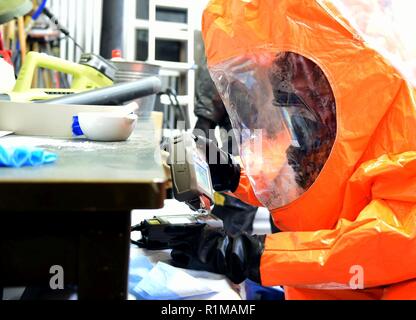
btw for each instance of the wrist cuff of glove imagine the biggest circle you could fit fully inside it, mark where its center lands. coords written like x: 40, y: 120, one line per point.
x: 244, y: 258
x: 254, y: 262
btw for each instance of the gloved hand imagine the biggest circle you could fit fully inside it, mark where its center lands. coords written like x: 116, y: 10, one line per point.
x: 225, y: 172
x: 210, y: 249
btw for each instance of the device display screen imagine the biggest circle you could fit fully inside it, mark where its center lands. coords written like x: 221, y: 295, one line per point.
x: 178, y: 220
x: 202, y: 176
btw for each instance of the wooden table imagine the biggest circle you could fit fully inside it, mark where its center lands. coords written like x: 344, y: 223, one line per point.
x: 76, y: 213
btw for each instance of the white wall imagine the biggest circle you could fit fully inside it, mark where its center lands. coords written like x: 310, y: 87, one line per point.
x: 83, y: 20
x: 199, y: 8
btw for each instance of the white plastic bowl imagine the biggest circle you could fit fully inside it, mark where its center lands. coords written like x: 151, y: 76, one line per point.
x: 107, y: 126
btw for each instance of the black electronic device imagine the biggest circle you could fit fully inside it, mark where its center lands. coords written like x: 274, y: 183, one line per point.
x: 191, y: 181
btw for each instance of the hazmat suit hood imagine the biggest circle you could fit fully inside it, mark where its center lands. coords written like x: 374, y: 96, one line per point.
x: 311, y: 101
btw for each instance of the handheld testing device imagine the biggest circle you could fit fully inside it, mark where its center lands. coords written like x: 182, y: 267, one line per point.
x: 191, y: 183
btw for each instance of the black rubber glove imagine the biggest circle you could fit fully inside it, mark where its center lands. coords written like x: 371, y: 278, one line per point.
x: 212, y: 250
x: 225, y: 172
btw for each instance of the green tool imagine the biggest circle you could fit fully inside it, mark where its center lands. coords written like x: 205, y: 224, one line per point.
x: 92, y: 72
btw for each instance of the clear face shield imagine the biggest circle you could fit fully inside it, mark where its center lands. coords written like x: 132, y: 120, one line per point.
x: 283, y: 111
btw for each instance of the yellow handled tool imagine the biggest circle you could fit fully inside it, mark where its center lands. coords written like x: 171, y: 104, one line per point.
x: 92, y: 72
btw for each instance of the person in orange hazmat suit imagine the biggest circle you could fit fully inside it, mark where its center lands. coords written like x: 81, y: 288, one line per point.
x: 327, y: 131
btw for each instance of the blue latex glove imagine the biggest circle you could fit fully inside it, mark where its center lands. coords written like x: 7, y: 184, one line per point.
x: 25, y: 157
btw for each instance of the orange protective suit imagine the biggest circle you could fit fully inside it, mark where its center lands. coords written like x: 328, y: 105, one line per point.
x: 361, y: 209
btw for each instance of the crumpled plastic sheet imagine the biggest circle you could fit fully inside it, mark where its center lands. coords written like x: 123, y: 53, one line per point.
x: 163, y: 282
